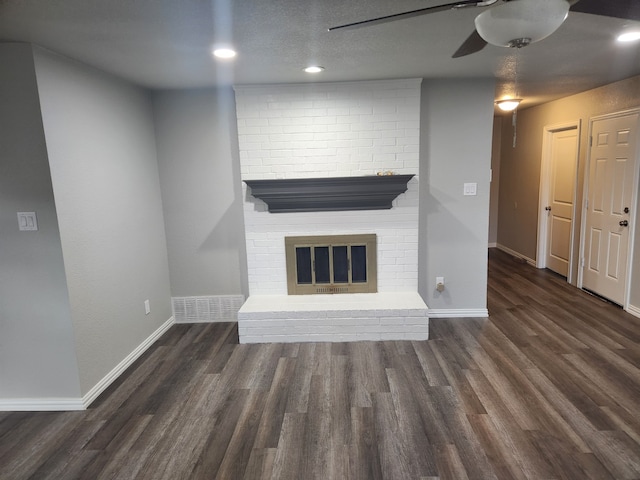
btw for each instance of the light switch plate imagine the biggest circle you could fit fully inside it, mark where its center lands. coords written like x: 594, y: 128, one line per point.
x: 470, y: 188
x: 27, y: 221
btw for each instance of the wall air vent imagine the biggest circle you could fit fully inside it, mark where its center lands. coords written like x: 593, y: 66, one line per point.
x: 214, y: 308
x: 374, y: 192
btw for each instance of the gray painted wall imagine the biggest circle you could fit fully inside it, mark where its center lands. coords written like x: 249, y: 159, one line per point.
x: 496, y: 145
x: 456, y: 126
x: 37, y: 358
x: 198, y: 158
x: 100, y: 139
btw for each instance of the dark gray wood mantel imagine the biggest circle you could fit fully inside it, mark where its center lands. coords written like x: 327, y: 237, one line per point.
x: 374, y: 192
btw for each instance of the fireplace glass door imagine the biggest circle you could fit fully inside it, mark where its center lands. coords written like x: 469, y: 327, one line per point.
x: 331, y: 264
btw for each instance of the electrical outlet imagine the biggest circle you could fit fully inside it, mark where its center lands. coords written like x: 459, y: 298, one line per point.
x: 147, y: 307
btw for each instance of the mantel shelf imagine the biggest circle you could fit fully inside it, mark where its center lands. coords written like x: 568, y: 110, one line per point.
x: 374, y: 192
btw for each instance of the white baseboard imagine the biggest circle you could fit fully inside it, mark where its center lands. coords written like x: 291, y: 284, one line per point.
x: 635, y: 311
x: 41, y: 404
x: 493, y: 245
x: 102, y: 385
x: 530, y: 261
x: 458, y: 313
x: 81, y: 403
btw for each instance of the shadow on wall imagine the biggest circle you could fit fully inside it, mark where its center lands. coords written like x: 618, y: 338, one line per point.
x: 225, y: 233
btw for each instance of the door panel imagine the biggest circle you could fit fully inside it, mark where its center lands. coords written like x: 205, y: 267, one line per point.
x: 611, y: 183
x: 613, y: 260
x: 594, y: 257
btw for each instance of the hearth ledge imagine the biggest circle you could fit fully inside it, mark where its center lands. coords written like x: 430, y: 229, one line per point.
x: 333, y: 318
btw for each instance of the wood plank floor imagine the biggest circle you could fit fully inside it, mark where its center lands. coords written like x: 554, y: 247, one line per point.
x: 547, y: 388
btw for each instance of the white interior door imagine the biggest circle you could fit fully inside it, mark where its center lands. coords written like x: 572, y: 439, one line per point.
x: 610, y: 193
x: 560, y: 206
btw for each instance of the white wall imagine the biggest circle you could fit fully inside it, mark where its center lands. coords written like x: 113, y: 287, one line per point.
x: 455, y: 148
x: 100, y: 139
x: 197, y: 143
x: 330, y: 130
x: 37, y: 358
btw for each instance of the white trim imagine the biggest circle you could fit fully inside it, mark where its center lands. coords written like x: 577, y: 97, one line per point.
x: 633, y: 310
x: 545, y: 190
x: 41, y: 404
x: 102, y: 385
x: 458, y: 313
x: 530, y: 261
x: 493, y: 245
x: 81, y: 403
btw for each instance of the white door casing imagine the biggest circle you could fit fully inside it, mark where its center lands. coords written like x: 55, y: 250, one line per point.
x: 611, y: 190
x: 557, y: 197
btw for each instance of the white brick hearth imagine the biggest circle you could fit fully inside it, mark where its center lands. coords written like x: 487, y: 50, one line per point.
x: 333, y: 318
x: 330, y: 130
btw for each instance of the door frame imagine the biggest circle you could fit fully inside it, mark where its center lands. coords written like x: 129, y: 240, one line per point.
x: 545, y: 191
x: 634, y: 201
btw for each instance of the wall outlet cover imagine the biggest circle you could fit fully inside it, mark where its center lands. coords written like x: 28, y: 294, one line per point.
x: 27, y: 221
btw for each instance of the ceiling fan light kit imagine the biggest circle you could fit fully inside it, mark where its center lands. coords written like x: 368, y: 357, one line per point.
x: 519, y: 23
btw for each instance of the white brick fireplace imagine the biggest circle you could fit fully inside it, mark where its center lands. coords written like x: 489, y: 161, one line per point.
x: 331, y: 130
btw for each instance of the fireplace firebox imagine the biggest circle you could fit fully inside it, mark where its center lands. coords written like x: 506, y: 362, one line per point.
x: 331, y: 264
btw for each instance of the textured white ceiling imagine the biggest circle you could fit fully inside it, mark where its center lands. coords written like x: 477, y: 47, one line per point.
x: 166, y: 43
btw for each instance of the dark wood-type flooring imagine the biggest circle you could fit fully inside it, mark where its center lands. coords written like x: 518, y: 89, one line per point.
x: 547, y: 388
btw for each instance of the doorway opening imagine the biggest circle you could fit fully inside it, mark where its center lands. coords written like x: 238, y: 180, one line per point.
x: 557, y: 200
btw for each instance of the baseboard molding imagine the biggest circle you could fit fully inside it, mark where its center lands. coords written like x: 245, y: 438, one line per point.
x: 102, y: 385
x: 493, y: 245
x: 635, y: 311
x: 81, y: 403
x: 513, y: 253
x: 458, y: 313
x: 41, y: 404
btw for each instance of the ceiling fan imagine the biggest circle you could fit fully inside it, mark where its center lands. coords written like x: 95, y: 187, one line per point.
x: 514, y: 23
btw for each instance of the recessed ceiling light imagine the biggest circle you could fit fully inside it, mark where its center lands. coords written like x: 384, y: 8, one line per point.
x: 314, y: 69
x: 629, y: 36
x: 224, y: 53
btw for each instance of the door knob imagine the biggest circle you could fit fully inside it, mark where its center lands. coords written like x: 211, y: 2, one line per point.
x: 626, y: 209
x: 624, y: 223
x: 548, y: 209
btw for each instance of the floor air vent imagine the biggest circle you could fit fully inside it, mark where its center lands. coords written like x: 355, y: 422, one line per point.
x: 215, y: 308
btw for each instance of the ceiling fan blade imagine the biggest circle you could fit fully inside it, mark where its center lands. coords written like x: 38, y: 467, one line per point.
x: 474, y: 43
x: 412, y: 13
x: 627, y: 9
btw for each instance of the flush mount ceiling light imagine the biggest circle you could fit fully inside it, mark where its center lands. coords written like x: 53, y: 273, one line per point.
x: 509, y: 104
x: 631, y: 36
x: 520, y: 23
x: 224, y: 53
x: 314, y: 69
